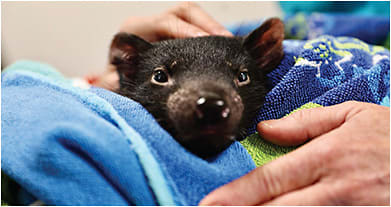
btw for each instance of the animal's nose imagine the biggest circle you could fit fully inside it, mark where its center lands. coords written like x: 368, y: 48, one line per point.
x: 211, y: 110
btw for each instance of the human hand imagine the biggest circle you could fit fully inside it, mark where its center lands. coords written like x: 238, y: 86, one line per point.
x: 184, y: 20
x: 345, y: 162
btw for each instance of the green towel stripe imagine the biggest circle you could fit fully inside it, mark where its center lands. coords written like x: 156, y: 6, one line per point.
x: 263, y: 151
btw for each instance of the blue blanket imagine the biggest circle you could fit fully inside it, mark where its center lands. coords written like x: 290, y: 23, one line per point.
x: 69, y: 146
x: 333, y: 63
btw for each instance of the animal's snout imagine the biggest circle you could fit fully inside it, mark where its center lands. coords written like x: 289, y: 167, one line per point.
x: 211, y: 109
x: 206, y: 115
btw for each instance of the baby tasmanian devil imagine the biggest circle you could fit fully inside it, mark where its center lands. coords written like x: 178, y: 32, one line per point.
x: 204, y: 91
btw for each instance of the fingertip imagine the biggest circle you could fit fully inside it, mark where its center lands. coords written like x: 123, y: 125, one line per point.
x: 200, y: 34
x: 223, y: 196
x: 210, y: 200
x: 264, y: 127
x: 223, y: 33
x: 279, y: 132
x: 206, y: 202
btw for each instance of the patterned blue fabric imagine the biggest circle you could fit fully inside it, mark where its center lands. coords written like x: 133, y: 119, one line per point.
x: 327, y: 71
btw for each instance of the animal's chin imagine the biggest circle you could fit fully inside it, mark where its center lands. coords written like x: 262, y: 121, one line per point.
x: 212, y: 131
x: 207, y: 141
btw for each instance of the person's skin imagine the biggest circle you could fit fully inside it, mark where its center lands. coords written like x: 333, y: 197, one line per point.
x: 184, y: 20
x: 346, y: 160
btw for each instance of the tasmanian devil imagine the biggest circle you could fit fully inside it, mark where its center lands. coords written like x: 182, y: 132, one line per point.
x: 204, y: 91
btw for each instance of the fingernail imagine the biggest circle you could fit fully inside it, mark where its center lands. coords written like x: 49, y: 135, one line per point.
x: 201, y: 34
x: 223, y: 33
x: 228, y: 33
x: 264, y: 123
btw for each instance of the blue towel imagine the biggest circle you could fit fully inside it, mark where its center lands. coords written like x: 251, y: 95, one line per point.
x: 326, y: 70
x: 68, y: 146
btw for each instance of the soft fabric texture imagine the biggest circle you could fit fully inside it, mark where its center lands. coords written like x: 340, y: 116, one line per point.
x: 323, y: 71
x: 327, y: 71
x: 68, y: 146
x: 263, y: 151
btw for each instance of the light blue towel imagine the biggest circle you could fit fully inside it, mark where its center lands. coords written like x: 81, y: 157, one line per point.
x: 68, y: 146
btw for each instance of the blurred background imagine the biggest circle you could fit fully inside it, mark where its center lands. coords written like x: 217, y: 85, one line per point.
x: 74, y: 36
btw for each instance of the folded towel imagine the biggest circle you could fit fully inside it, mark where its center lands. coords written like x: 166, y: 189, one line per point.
x: 68, y: 146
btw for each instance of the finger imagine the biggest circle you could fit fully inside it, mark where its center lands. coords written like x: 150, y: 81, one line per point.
x: 306, y: 124
x: 314, y: 195
x: 193, y: 14
x: 108, y: 80
x: 292, y: 171
x: 174, y: 27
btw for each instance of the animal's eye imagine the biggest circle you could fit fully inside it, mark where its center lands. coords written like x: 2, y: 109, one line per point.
x: 243, y: 78
x: 160, y: 76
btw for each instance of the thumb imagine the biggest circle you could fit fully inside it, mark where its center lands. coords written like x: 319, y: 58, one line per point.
x: 306, y: 124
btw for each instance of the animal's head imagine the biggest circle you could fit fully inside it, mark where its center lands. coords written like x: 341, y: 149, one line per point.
x: 205, y: 91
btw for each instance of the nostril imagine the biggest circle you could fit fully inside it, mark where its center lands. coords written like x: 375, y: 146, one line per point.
x: 211, y: 110
x: 210, y: 104
x: 225, y: 113
x: 220, y: 103
x: 201, y: 101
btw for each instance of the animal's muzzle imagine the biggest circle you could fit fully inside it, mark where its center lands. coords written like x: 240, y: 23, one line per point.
x: 211, y: 109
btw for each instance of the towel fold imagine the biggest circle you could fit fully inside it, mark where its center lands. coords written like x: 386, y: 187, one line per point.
x: 68, y: 146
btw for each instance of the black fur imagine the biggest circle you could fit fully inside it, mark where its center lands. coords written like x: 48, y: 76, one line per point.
x: 199, y: 66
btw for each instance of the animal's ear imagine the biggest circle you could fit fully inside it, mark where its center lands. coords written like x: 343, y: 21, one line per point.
x: 265, y: 44
x: 124, y: 50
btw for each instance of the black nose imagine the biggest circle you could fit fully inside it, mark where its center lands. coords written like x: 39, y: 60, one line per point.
x: 211, y: 110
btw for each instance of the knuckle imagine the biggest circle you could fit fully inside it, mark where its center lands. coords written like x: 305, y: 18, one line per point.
x: 188, y: 5
x: 332, y: 197
x: 299, y: 115
x: 349, y: 193
x: 360, y: 190
x: 268, y: 182
x: 164, y: 20
x: 356, y: 104
x: 351, y: 103
x: 355, y: 107
x: 184, y: 7
x: 329, y: 151
x: 340, y: 192
x: 306, y: 114
x: 165, y: 17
